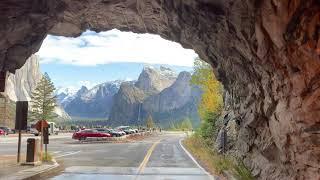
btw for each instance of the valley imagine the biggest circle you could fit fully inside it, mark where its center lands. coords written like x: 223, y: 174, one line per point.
x: 130, y: 102
x: 161, y: 92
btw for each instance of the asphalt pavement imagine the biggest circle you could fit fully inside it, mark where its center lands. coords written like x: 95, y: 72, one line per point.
x: 155, y: 157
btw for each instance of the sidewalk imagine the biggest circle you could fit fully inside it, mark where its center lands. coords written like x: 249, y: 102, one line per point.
x: 9, y: 165
x: 11, y: 170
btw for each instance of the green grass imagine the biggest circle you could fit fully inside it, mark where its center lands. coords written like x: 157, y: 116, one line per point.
x: 214, y: 162
x: 46, y: 157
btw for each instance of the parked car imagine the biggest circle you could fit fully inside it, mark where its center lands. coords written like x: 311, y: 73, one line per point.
x: 129, y: 131
x: 2, y: 132
x: 89, y: 133
x: 7, y: 130
x: 110, y: 131
x: 115, y: 133
x: 126, y: 129
x: 120, y: 131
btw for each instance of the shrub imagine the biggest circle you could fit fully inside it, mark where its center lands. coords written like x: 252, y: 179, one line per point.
x: 208, y: 129
x: 47, y: 157
x: 214, y: 162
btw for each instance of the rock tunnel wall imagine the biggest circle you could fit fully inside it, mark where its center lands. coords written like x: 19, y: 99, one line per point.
x: 265, y: 52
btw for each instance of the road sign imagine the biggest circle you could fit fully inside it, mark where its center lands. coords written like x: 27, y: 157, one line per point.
x: 21, y: 115
x: 46, y: 135
x: 44, y: 125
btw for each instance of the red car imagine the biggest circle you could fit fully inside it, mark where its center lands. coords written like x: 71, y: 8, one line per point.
x: 2, y: 132
x: 89, y: 133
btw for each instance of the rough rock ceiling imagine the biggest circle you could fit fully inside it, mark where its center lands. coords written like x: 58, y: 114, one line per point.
x: 265, y: 52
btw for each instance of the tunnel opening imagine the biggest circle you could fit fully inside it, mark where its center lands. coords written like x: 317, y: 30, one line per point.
x: 265, y: 54
x: 116, y: 78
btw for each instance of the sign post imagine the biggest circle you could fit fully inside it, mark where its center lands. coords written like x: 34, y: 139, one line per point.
x: 46, y: 140
x: 19, y: 146
x: 39, y: 126
x: 21, y: 121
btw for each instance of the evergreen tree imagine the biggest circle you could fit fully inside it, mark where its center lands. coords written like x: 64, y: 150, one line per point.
x: 43, y: 100
x: 149, y: 122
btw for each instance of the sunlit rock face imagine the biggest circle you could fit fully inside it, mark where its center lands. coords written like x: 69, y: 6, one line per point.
x: 265, y: 52
x: 20, y: 85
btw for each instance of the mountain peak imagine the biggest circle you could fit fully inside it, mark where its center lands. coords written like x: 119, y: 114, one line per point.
x: 153, y: 80
x: 148, y: 67
x: 164, y: 68
x: 82, y: 90
x: 184, y: 75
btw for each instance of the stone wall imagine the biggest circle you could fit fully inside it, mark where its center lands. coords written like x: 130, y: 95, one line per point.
x: 7, y: 112
x: 265, y: 52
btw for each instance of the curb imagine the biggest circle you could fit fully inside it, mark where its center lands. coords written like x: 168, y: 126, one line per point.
x: 37, y: 172
x: 195, y: 161
x: 54, y: 169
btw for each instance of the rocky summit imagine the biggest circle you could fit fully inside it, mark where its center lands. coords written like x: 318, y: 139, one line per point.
x: 177, y: 102
x: 20, y: 85
x: 152, y: 80
x: 159, y: 93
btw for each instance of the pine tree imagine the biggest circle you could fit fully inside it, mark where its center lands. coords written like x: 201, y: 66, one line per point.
x: 43, y: 100
x: 150, y: 123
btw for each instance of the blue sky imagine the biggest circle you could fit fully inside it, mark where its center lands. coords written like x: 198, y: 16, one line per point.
x: 94, y: 58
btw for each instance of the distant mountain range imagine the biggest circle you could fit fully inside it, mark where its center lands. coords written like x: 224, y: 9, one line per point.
x: 90, y: 103
x: 160, y: 92
x: 168, y: 98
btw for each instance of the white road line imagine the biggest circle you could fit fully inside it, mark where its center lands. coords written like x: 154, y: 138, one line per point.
x: 67, y: 154
x: 194, y: 160
x: 8, y: 142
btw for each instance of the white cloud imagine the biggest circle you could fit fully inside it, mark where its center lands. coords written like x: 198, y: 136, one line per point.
x: 114, y: 46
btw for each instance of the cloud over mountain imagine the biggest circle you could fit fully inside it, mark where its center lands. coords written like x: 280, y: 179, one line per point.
x: 93, y: 48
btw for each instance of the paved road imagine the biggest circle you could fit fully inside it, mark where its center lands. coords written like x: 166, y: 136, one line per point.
x: 159, y: 157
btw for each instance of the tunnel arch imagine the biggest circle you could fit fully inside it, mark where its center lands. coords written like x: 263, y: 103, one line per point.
x: 266, y: 54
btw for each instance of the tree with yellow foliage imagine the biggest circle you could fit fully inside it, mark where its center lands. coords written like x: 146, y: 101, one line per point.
x: 211, y: 100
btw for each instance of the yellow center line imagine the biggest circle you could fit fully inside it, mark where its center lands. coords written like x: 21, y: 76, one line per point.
x: 147, y: 157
